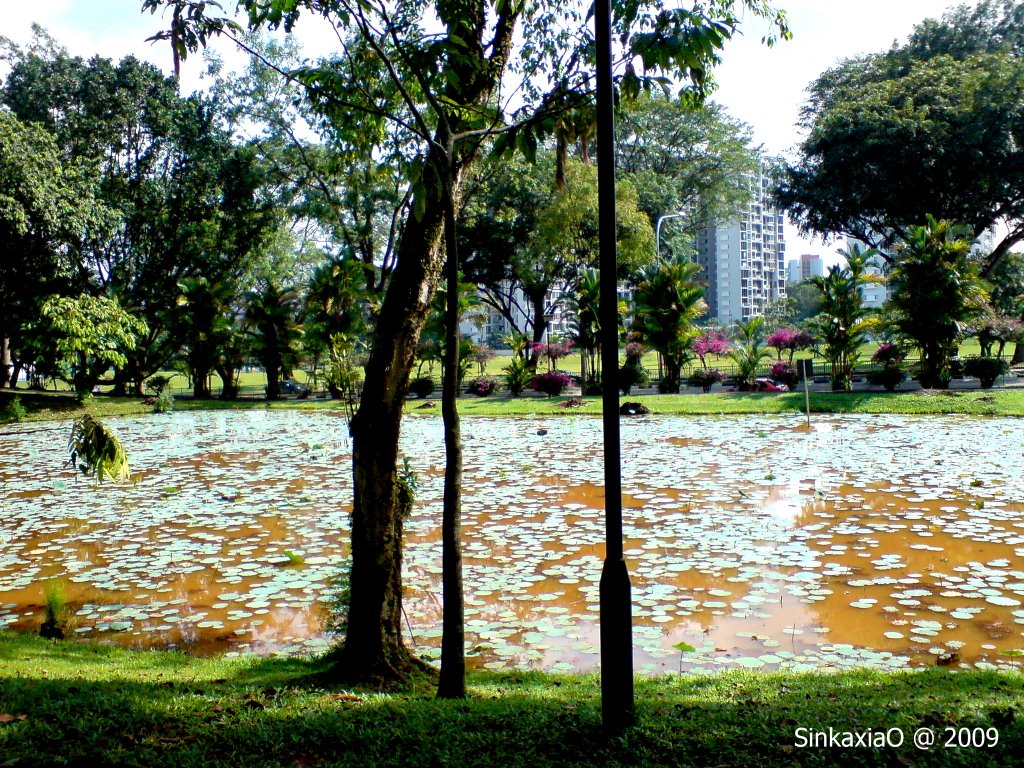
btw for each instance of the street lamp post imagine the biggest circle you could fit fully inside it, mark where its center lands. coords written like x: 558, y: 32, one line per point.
x: 616, y: 607
x: 657, y: 230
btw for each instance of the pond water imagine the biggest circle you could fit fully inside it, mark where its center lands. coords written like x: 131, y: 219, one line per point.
x: 884, y: 541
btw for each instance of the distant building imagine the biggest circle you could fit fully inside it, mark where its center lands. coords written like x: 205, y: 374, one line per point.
x: 743, y: 261
x: 807, y: 266
x: 872, y: 295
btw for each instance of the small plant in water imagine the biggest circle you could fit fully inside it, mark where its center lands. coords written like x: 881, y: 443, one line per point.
x: 294, y: 558
x: 55, y: 605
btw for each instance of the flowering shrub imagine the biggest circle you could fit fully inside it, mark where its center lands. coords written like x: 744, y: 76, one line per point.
x: 551, y: 383
x: 705, y: 378
x: 710, y: 343
x: 634, y: 352
x: 785, y: 373
x: 887, y: 353
x: 482, y: 386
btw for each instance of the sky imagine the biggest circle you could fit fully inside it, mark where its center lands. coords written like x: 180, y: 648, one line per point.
x: 763, y: 87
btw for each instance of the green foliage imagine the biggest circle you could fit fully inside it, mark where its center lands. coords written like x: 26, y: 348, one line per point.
x: 935, y: 294
x: 422, y: 386
x: 273, y: 332
x: 705, y: 378
x: 406, y: 485
x: 95, y: 450
x: 844, y: 323
x: 667, y: 304
x: 679, y: 156
x: 633, y: 374
x: 890, y: 376
x: 517, y: 375
x: 157, y: 384
x: 14, y: 411
x: 749, y: 351
x: 337, y: 599
x: 986, y: 369
x: 92, y: 333
x: 895, y: 136
x: 164, y: 402
x: 55, y: 609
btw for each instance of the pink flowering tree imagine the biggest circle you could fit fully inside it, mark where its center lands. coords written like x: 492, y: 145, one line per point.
x: 710, y: 343
x: 790, y: 340
x: 553, y: 351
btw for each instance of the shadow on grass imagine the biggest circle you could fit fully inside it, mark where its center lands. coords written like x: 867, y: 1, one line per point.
x: 264, y: 712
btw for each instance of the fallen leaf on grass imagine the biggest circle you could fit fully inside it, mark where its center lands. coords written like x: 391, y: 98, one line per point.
x: 343, y: 697
x: 6, y: 718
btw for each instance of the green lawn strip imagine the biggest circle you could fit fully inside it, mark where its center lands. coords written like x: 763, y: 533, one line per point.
x: 83, y: 704
x: 990, y: 402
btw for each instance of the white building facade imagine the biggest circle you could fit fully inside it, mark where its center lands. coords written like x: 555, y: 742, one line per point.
x: 743, y: 262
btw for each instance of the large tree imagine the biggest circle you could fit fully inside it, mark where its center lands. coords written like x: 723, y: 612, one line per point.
x: 455, y: 78
x: 46, y: 205
x: 933, y: 127
x: 935, y: 294
x: 684, y: 157
x: 524, y: 238
x: 185, y: 201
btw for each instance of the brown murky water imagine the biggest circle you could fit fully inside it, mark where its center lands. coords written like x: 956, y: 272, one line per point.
x: 876, y: 541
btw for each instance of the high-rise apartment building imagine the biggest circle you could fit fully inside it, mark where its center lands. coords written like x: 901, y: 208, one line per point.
x: 743, y: 261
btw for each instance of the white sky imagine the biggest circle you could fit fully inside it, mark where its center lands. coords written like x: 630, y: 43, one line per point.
x: 762, y: 87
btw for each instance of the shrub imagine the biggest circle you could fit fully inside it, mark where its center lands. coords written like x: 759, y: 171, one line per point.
x: 986, y: 369
x: 482, y: 386
x: 518, y: 376
x: 164, y: 402
x: 706, y: 378
x: 593, y: 384
x: 551, y: 383
x: 632, y: 374
x: 157, y: 384
x: 784, y: 373
x: 887, y: 353
x: 421, y: 386
x: 890, y: 376
x: 14, y: 411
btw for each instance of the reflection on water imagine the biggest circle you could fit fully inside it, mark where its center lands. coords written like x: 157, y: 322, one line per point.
x: 888, y: 541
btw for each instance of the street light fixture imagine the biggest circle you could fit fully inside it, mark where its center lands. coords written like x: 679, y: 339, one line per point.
x: 657, y: 230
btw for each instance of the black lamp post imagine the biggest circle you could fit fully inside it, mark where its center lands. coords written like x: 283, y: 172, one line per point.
x: 616, y: 609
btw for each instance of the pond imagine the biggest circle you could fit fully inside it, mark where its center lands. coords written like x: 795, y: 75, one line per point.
x: 883, y: 541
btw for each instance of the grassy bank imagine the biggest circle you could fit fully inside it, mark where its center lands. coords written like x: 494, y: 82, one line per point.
x: 990, y: 402
x: 86, y: 705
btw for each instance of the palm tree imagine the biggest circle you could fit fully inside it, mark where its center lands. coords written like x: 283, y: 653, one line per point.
x: 205, y: 327
x: 844, y: 322
x: 667, y: 304
x: 749, y: 351
x: 936, y: 292
x: 273, y: 332
x: 586, y: 326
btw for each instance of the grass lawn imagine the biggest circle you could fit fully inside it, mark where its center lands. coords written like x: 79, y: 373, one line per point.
x: 66, y: 703
x: 991, y: 402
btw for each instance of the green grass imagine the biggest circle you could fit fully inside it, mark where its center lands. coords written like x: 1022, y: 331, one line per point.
x: 79, y: 704
x: 991, y: 402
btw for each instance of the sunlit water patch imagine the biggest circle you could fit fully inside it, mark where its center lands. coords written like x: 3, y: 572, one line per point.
x: 884, y: 541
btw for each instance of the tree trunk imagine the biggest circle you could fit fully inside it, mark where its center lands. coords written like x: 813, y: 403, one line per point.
x: 373, y: 650
x: 452, y: 684
x: 5, y: 361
